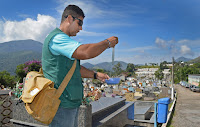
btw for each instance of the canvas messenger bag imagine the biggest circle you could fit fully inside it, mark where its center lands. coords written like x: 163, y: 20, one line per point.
x: 40, y: 97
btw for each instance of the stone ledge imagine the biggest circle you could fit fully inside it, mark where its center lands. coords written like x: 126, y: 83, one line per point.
x: 143, y: 121
x: 18, y: 122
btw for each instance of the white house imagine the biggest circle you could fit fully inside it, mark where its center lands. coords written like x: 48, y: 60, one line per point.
x: 194, y: 79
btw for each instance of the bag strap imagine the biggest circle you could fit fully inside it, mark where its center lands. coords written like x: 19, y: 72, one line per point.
x: 66, y: 80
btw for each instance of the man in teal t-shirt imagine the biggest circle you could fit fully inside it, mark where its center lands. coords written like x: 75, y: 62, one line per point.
x: 58, y: 55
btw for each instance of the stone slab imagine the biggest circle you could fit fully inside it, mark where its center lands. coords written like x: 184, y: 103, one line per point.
x: 141, y: 110
x: 20, y: 114
x: 104, y: 102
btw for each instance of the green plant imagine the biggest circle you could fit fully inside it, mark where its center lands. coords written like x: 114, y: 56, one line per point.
x: 17, y: 90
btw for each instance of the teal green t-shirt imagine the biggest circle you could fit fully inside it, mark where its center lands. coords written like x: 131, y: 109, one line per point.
x: 62, y: 44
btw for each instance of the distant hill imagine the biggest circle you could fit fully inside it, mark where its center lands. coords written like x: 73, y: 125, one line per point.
x: 18, y: 52
x: 21, y: 45
x: 105, y: 65
x: 196, y: 60
x: 183, y: 59
x: 88, y: 65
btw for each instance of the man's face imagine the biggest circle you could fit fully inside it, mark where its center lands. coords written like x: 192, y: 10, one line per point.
x: 76, y: 25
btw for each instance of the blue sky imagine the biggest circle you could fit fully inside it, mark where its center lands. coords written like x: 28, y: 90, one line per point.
x: 148, y: 30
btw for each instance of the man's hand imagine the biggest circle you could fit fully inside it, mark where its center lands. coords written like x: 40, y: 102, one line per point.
x: 113, y: 41
x: 102, y: 76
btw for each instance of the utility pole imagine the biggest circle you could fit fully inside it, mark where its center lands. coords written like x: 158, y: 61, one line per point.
x: 172, y: 89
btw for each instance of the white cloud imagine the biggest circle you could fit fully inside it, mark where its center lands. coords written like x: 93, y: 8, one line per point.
x: 181, y: 47
x: 183, y: 41
x: 161, y: 43
x: 191, y: 43
x: 185, y: 50
x: 27, y: 29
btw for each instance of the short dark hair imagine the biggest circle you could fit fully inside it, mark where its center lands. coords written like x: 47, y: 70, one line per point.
x: 72, y: 10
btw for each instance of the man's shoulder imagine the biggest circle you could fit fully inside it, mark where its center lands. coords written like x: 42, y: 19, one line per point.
x: 61, y: 37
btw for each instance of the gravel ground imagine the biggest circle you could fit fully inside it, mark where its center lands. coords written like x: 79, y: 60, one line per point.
x: 187, y: 110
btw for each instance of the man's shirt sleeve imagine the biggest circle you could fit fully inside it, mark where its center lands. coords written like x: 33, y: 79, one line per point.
x: 62, y: 44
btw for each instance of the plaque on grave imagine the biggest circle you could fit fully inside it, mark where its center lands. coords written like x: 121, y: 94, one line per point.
x: 129, y: 96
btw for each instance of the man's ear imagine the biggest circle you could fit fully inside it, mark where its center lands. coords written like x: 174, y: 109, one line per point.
x: 70, y: 19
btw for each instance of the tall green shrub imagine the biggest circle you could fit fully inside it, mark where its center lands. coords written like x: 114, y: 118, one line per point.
x: 6, y: 79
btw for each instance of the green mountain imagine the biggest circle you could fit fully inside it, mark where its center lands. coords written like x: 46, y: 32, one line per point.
x: 18, y: 52
x: 88, y: 65
x: 105, y: 65
x: 196, y: 60
x: 182, y: 59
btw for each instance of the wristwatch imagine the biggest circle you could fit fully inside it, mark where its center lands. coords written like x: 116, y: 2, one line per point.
x: 95, y: 75
x: 108, y: 43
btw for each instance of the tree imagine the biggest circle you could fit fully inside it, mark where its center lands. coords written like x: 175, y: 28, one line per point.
x: 117, y: 69
x: 100, y: 70
x: 159, y: 74
x: 163, y: 65
x: 196, y: 65
x: 130, y: 67
x: 6, y: 79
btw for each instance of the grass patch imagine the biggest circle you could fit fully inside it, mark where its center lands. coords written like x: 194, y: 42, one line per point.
x: 170, y: 120
x: 169, y: 106
x: 173, y: 113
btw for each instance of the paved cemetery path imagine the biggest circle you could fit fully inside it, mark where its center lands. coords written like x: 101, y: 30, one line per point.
x: 187, y: 110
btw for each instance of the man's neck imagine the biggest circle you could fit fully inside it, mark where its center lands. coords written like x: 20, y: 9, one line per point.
x: 64, y: 29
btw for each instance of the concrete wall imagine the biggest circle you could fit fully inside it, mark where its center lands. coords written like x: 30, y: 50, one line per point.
x: 5, y: 108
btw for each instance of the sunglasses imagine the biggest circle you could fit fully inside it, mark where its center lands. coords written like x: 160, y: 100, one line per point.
x: 80, y: 23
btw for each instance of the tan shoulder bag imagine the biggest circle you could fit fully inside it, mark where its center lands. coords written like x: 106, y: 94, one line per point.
x: 40, y: 97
